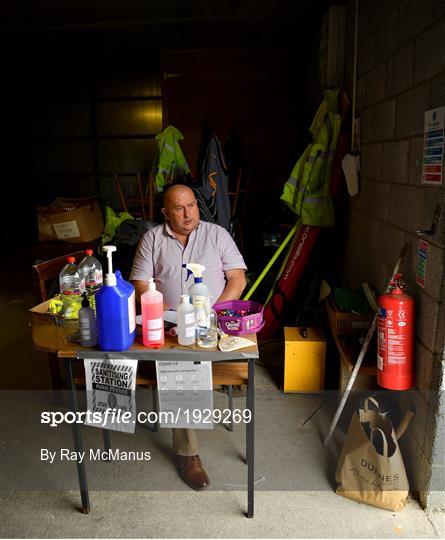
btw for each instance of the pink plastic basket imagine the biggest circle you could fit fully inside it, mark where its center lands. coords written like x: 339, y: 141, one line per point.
x: 249, y: 324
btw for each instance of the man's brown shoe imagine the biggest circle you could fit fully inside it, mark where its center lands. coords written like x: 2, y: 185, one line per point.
x: 192, y: 472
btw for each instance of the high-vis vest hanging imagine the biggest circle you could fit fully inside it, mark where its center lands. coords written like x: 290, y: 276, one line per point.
x: 307, y: 190
x: 172, y: 164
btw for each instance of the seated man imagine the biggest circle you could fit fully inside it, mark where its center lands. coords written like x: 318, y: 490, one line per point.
x: 162, y: 251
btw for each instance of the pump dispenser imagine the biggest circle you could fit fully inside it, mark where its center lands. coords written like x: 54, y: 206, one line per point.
x: 152, y: 305
x: 110, y: 277
x: 115, y: 310
x: 199, y: 295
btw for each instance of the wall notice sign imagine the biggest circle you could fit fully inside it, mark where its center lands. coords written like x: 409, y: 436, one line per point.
x: 185, y: 392
x: 110, y: 386
x: 433, y: 144
x: 422, y: 256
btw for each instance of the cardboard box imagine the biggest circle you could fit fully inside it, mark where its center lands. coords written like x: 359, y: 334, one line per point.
x: 304, y: 360
x: 70, y: 220
x: 50, y: 333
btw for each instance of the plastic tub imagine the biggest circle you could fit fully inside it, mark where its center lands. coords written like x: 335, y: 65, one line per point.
x: 239, y: 325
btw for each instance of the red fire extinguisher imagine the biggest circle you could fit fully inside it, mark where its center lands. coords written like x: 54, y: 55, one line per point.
x: 395, y: 356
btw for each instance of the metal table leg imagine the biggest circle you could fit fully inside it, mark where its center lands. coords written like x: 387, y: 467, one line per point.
x: 230, y: 395
x: 78, y: 444
x: 107, y: 441
x: 250, y: 437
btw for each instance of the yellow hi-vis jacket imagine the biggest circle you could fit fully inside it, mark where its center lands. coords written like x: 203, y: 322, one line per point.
x: 172, y: 163
x: 307, y: 190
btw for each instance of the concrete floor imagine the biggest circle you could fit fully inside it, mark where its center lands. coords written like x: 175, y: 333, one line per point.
x: 294, y: 473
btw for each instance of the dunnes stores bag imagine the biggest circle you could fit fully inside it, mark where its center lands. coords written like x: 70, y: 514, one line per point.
x: 70, y: 220
x: 370, y: 468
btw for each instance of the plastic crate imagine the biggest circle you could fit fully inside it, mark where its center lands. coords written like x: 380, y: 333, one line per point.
x: 248, y: 324
x: 347, y: 324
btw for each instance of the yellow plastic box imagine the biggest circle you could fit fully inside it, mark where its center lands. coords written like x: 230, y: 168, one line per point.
x: 304, y: 359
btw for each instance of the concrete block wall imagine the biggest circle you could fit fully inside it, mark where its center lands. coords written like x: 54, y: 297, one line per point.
x: 401, y: 74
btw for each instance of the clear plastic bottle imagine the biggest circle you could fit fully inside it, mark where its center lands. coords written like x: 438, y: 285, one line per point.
x: 91, y: 269
x: 87, y: 323
x: 199, y: 294
x: 72, y: 286
x: 207, y: 337
x: 185, y: 315
x: 152, y: 305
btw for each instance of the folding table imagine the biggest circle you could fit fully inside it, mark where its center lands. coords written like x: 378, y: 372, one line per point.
x: 170, y: 351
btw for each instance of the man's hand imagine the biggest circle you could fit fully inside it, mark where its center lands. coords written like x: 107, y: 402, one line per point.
x: 236, y: 283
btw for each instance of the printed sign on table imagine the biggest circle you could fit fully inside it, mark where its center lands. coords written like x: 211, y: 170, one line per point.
x: 185, y: 394
x: 433, y: 145
x: 110, y: 386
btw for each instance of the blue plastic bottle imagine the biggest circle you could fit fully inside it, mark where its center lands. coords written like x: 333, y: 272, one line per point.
x: 115, y: 310
x: 122, y: 284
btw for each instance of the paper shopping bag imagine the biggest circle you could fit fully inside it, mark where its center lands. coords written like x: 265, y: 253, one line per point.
x: 370, y: 468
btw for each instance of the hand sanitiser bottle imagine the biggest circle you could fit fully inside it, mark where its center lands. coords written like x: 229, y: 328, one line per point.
x: 152, y: 304
x: 87, y: 323
x: 115, y: 310
x: 185, y: 315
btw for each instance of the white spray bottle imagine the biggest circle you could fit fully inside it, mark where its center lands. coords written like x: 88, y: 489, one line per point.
x: 199, y: 297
